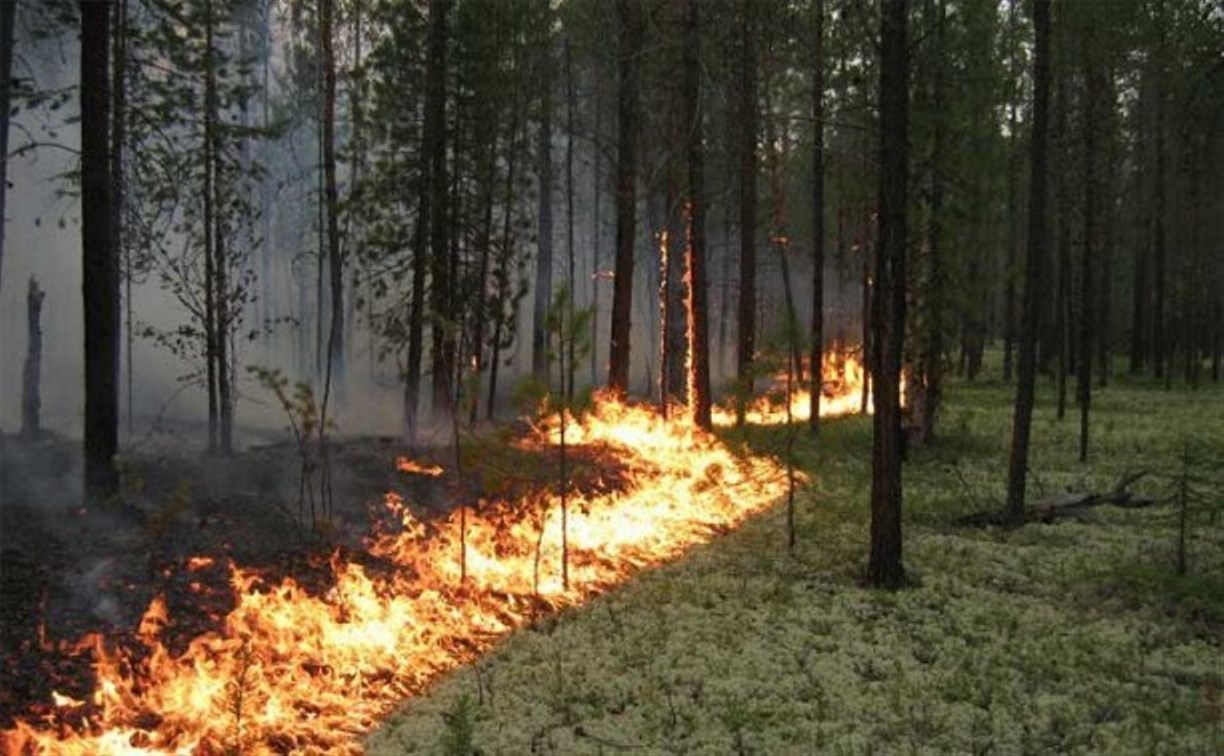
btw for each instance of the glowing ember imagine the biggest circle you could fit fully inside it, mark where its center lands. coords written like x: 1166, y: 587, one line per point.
x: 292, y: 671
x: 412, y: 467
x: 197, y: 563
x: 843, y: 378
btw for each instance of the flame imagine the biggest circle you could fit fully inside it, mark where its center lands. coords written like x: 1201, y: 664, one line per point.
x: 290, y: 670
x: 842, y: 376
x: 412, y: 467
x: 197, y: 563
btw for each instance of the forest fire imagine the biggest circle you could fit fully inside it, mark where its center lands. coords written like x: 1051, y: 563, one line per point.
x: 289, y: 670
x: 843, y: 378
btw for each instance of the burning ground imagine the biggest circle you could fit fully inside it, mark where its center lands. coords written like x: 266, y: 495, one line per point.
x: 234, y: 652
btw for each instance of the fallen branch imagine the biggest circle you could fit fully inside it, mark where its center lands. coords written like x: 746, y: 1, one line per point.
x: 1050, y: 508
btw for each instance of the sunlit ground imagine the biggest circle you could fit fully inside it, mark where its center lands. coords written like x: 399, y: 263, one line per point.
x: 1077, y: 635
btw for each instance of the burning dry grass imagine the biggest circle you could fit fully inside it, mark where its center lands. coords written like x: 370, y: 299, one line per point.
x: 292, y: 670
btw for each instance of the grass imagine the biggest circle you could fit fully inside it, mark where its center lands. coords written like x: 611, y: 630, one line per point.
x: 1073, y: 636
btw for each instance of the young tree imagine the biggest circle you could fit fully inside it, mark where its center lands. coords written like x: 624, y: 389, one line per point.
x: 101, y: 270
x: 884, y: 568
x: 544, y: 240
x: 1036, y: 256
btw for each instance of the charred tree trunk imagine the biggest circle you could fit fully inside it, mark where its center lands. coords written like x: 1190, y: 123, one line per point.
x: 629, y: 34
x: 884, y: 568
x: 100, y: 284
x: 1033, y: 274
x: 695, y: 249
x: 567, y: 385
x: 816, y: 349
x: 31, y: 373
x: 748, y: 117
x: 118, y: 139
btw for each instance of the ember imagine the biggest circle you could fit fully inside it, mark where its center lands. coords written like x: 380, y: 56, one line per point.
x: 292, y: 670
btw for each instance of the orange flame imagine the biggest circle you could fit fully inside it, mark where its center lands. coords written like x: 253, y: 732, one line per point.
x: 412, y: 467
x: 291, y: 671
x: 842, y: 377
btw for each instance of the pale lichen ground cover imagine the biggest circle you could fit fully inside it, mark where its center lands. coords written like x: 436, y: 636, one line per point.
x: 1075, y: 636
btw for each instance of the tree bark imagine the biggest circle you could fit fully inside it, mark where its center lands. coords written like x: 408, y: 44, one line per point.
x: 335, y: 263
x: 1033, y: 276
x: 100, y: 284
x: 816, y: 351
x: 443, y: 328
x: 31, y: 373
x: 884, y: 568
x: 748, y: 117
x: 1092, y: 123
x: 697, y: 310
x: 1013, y: 204
x: 8, y: 13
x: 544, y: 240
x: 630, y: 45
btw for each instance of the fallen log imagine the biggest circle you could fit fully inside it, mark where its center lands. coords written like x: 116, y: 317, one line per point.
x: 1050, y: 508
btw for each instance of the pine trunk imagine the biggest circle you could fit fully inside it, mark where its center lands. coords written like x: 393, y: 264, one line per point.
x: 100, y: 282
x: 1036, y: 256
x: 884, y: 568
x: 630, y: 44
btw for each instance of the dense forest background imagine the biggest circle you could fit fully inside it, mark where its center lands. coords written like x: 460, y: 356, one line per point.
x: 406, y: 185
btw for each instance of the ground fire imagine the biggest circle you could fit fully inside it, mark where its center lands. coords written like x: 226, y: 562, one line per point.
x: 290, y: 669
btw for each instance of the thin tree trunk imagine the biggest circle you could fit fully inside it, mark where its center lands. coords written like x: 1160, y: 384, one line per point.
x: 932, y: 358
x: 480, y: 305
x: 816, y: 351
x: 443, y: 327
x: 630, y: 45
x: 1013, y: 202
x: 101, y: 271
x: 1158, y: 242
x: 748, y: 117
x: 211, y: 325
x: 596, y: 227
x: 335, y: 263
x: 544, y: 244
x: 1033, y: 276
x: 884, y: 567
x: 1092, y: 240
x: 8, y: 13
x: 571, y: 280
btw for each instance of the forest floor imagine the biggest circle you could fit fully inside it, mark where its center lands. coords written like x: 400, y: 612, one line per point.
x: 1077, y: 635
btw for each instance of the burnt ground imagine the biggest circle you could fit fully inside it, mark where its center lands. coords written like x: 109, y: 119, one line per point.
x: 66, y: 571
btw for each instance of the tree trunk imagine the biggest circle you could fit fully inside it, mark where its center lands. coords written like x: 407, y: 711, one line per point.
x: 1062, y: 291
x: 1158, y: 242
x: 816, y: 350
x: 8, y: 13
x: 596, y: 225
x: 31, y: 373
x: 932, y: 357
x: 697, y: 310
x: 443, y: 328
x: 1013, y: 203
x: 544, y: 243
x: 215, y: 231
x: 118, y: 139
x: 210, y: 260
x: 567, y: 386
x: 1092, y: 123
x: 1033, y: 275
x: 630, y: 45
x: 884, y: 568
x: 100, y: 284
x: 745, y: 349
x: 335, y: 263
